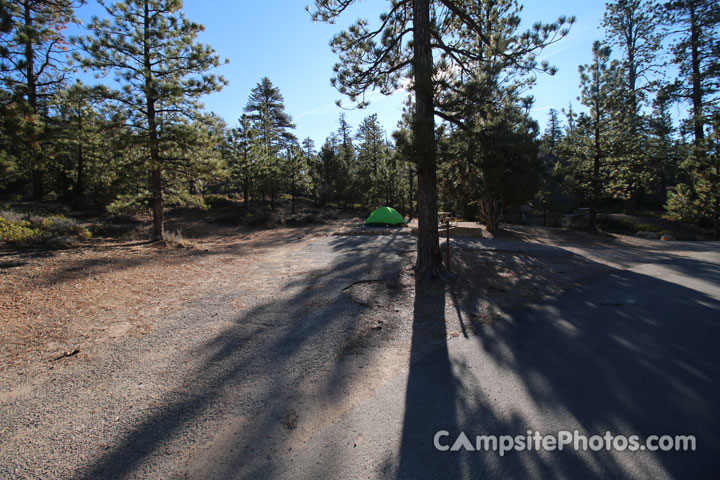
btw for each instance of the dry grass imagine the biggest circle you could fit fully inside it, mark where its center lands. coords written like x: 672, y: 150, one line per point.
x: 177, y: 240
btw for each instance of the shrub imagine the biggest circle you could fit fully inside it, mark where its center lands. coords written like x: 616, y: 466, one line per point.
x: 621, y: 226
x: 681, y: 206
x: 218, y: 201
x: 27, y: 229
x: 17, y: 231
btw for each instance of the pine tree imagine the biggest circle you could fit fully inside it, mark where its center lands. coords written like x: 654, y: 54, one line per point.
x: 328, y: 169
x: 193, y: 161
x: 408, y: 34
x: 374, y: 177
x: 553, y: 133
x: 493, y: 165
x: 243, y: 146
x: 266, y: 110
x: 697, y: 53
x: 81, y: 128
x: 633, y: 27
x: 346, y: 175
x: 663, y: 146
x: 150, y: 47
x: 701, y: 201
x: 706, y: 169
x: 295, y: 169
x: 588, y: 146
x: 681, y: 204
x: 695, y: 25
x: 404, y: 153
x: 32, y: 67
x: 308, y: 149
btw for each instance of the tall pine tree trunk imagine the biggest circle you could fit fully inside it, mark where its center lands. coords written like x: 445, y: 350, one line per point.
x: 156, y: 183
x: 630, y: 205
x: 80, y: 177
x: 33, y: 140
x: 716, y: 206
x: 429, y: 261
x: 158, y: 205
x: 292, y: 194
x: 696, y: 94
x: 246, y: 191
x: 596, y: 171
x: 411, y: 192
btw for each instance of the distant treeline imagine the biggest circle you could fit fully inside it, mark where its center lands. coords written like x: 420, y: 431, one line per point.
x: 142, y: 141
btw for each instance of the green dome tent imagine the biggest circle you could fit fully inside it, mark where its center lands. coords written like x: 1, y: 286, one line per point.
x: 385, y: 216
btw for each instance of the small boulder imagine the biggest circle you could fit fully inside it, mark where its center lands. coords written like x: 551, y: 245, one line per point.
x: 648, y: 235
x: 668, y: 238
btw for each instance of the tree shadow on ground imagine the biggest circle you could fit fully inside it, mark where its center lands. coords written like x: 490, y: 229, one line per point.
x: 631, y: 354
x: 601, y: 357
x: 282, y: 351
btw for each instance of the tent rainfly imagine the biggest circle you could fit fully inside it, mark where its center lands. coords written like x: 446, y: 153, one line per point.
x: 385, y: 216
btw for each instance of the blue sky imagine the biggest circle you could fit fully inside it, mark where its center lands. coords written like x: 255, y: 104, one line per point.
x: 277, y: 39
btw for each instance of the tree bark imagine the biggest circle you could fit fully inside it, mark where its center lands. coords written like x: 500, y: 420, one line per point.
x: 34, y: 143
x: 292, y: 195
x: 158, y: 205
x: 596, y: 175
x: 696, y: 94
x: 80, y: 177
x: 716, y: 208
x: 595, y: 184
x: 246, y: 191
x: 429, y: 259
x: 156, y: 183
x: 411, y: 192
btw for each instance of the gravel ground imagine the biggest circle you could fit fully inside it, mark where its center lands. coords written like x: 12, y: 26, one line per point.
x: 274, y: 349
x: 257, y: 347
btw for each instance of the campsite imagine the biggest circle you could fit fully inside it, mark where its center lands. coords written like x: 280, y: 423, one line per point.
x: 407, y: 239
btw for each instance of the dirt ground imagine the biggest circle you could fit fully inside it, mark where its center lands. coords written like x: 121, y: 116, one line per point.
x: 54, y: 302
x: 70, y: 302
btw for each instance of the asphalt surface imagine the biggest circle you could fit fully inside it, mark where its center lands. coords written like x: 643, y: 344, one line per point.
x: 633, y: 354
x: 295, y: 383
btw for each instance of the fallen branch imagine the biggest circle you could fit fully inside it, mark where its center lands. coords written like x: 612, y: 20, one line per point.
x: 66, y: 355
x: 366, y: 281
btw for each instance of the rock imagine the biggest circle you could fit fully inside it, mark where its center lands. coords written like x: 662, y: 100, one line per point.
x: 648, y: 235
x: 466, y: 232
x: 668, y: 238
x: 577, y: 221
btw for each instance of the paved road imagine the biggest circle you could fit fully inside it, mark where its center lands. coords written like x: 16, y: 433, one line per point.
x: 635, y: 354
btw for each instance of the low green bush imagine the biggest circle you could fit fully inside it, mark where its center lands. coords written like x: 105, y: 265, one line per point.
x: 622, y: 226
x: 17, y: 231
x: 31, y: 229
x: 218, y: 201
